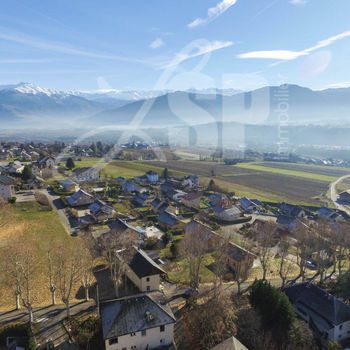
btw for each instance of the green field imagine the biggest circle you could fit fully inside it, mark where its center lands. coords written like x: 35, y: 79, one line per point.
x: 275, y: 170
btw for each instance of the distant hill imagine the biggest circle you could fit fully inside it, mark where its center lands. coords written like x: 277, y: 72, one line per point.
x: 26, y: 105
x: 287, y: 103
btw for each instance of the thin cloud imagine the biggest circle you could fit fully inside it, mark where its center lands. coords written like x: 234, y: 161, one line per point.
x: 339, y: 85
x: 60, y: 47
x: 292, y: 55
x: 298, y: 2
x: 213, y: 13
x: 201, y: 50
x: 27, y: 60
x: 155, y: 44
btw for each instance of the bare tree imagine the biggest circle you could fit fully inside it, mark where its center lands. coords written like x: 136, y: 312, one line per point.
x: 302, y: 234
x: 341, y: 243
x: 112, y: 245
x: 87, y: 276
x: 194, y: 249
x: 285, y: 267
x: 266, y: 241
x: 240, y: 275
x: 68, y: 270
x: 21, y: 260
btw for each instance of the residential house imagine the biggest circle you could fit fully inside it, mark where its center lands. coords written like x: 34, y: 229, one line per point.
x: 138, y: 322
x: 119, y: 226
x: 329, y: 214
x: 80, y: 198
x: 130, y: 186
x: 7, y: 189
x: 85, y: 174
x: 69, y: 185
x: 192, y: 200
x: 231, y: 343
x: 142, y: 270
x: 219, y: 200
x: 5, y: 155
x: 235, y: 255
x: 46, y: 162
x: 293, y: 211
x: 227, y: 214
x: 344, y: 197
x: 191, y: 181
x: 287, y: 222
x: 326, y: 315
x: 100, y: 211
x: 140, y: 199
x: 176, y: 194
x: 167, y: 218
x: 15, y: 167
x: 152, y: 176
x: 250, y: 206
x: 239, y: 259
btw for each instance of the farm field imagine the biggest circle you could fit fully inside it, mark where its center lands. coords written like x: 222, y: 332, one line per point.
x: 314, y: 169
x: 289, y: 172
x: 269, y: 184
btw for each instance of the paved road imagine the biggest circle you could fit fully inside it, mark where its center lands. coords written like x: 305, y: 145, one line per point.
x: 57, y: 205
x: 334, y: 194
x: 49, y: 321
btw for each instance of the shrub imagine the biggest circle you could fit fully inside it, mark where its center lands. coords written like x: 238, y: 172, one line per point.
x: 12, y: 200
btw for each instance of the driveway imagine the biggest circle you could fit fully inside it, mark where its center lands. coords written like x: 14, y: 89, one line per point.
x: 25, y: 196
x: 49, y: 321
x: 334, y: 195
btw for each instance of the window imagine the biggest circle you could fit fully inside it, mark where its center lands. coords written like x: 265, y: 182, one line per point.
x: 148, y: 288
x: 133, y: 347
x: 341, y: 326
x: 132, y: 334
x: 143, y: 333
x: 162, y: 341
x: 147, y: 279
x: 162, y: 328
x: 113, y: 341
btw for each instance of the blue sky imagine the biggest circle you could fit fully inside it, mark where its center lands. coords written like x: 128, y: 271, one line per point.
x: 175, y: 44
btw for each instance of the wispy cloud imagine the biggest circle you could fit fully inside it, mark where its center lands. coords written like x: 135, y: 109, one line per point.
x: 27, y: 60
x: 339, y: 85
x: 213, y: 13
x: 155, y: 44
x: 60, y: 47
x: 298, y: 2
x: 200, y: 50
x: 291, y: 55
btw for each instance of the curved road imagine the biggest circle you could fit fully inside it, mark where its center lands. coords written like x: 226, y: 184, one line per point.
x: 334, y: 195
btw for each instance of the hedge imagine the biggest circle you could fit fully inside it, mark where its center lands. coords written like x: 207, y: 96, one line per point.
x: 17, y: 330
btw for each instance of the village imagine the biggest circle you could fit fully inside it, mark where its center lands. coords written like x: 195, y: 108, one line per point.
x: 168, y: 244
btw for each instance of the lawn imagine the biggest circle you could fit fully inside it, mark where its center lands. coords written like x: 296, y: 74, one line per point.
x: 181, y: 275
x: 43, y: 224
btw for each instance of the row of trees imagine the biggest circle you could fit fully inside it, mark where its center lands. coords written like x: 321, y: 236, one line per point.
x: 326, y: 243
x: 30, y: 264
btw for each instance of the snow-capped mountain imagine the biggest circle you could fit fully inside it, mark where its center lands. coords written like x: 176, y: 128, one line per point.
x: 29, y: 88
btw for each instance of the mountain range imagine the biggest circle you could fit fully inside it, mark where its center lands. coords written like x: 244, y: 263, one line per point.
x: 25, y: 104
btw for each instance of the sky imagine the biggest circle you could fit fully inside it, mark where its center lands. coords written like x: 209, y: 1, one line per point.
x: 174, y: 44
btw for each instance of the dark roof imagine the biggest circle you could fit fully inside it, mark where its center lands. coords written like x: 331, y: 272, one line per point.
x: 290, y: 209
x: 321, y: 304
x: 167, y: 218
x: 6, y: 180
x: 121, y: 226
x: 143, y: 265
x: 192, y: 195
x: 129, y: 315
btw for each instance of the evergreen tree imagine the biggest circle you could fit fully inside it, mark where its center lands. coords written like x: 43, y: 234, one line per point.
x: 165, y: 173
x: 70, y: 164
x: 27, y: 173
